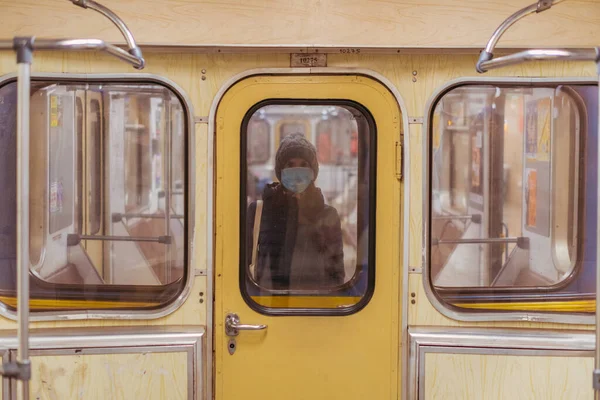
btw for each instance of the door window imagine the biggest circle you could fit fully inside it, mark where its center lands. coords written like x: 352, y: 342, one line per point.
x: 307, y: 221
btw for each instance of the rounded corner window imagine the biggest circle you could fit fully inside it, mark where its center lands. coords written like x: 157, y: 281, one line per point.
x: 108, y: 195
x: 307, y: 210
x: 507, y: 215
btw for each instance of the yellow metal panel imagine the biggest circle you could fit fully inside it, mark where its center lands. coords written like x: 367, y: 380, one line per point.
x: 305, y: 301
x: 400, y: 23
x: 110, y: 376
x: 351, y: 357
x: 491, y: 377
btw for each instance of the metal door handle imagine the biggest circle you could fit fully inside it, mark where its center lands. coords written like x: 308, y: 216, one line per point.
x: 233, y: 326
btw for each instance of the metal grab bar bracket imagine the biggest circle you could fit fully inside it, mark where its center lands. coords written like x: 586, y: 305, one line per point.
x: 23, y: 46
x: 543, y: 5
x: 16, y: 370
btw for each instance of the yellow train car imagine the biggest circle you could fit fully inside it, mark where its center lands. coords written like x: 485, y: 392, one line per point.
x: 299, y: 199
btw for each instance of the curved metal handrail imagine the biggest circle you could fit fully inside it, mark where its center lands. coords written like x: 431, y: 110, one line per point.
x: 487, y: 54
x: 537, y: 55
x: 134, y: 49
x: 77, y: 44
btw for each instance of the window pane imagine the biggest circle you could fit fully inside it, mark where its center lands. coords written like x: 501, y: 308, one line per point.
x: 259, y: 148
x: 107, y: 184
x: 508, y: 207
x: 308, y: 245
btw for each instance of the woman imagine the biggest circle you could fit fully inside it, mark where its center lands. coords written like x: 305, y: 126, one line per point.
x: 300, y: 241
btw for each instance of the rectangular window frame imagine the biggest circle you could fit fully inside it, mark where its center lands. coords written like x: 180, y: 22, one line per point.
x: 123, y: 313
x: 446, y: 309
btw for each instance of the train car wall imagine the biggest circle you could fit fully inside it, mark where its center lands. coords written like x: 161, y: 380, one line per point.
x: 432, y: 29
x: 415, y: 76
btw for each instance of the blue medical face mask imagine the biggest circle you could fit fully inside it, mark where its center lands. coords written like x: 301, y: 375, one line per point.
x: 297, y: 179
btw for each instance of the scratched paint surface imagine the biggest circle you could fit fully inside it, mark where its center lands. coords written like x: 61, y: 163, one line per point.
x: 110, y: 376
x: 491, y: 377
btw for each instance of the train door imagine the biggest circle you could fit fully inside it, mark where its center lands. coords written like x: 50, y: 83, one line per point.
x: 292, y: 321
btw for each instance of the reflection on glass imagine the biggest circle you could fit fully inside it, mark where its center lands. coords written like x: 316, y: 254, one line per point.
x: 505, y: 186
x: 107, y: 205
x: 259, y: 146
x: 102, y: 168
x: 307, y: 208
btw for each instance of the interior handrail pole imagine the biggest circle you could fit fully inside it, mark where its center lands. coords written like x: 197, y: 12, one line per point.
x: 488, y: 53
x: 24, y: 50
x: 134, y: 49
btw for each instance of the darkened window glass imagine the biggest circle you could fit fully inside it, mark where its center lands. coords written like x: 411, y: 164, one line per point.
x: 511, y: 220
x: 107, y: 184
x: 307, y: 227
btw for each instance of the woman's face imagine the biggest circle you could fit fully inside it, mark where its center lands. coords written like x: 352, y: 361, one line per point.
x: 296, y: 162
x: 297, y: 175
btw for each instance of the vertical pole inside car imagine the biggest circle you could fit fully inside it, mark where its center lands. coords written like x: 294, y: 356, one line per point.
x: 24, y: 50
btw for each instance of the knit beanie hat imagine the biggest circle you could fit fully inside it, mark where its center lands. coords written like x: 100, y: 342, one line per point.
x: 296, y: 145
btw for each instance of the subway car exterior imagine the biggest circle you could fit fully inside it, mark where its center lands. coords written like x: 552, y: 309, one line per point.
x: 465, y: 204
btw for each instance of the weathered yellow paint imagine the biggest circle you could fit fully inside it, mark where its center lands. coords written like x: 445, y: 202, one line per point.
x: 305, y: 301
x: 61, y: 304
x: 499, y: 377
x: 350, y: 357
x: 578, y: 306
x: 145, y: 375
